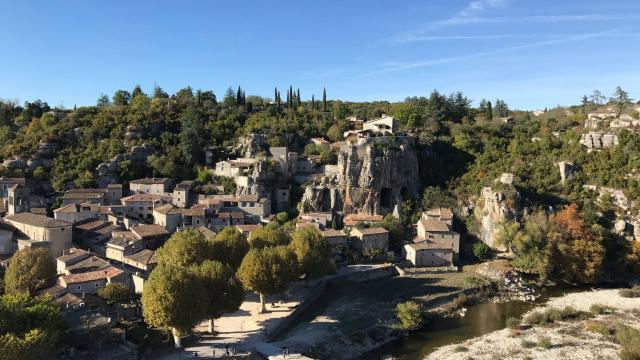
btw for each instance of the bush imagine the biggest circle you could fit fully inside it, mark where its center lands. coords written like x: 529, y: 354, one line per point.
x: 544, y: 342
x: 536, y: 318
x: 629, y: 338
x: 113, y: 293
x: 481, y: 251
x: 600, y: 309
x: 630, y: 293
x: 410, y: 315
x: 460, y: 348
x: 527, y: 344
x: 513, y: 323
x: 553, y: 314
x: 598, y: 327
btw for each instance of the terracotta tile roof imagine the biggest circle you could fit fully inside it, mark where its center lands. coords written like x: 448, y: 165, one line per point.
x: 69, y: 299
x: 168, y: 209
x: 145, y: 197
x: 91, y: 225
x: 194, y: 211
x: 145, y: 230
x: 427, y: 245
x: 353, y: 219
x: 443, y: 213
x: 248, y: 227
x: 208, y: 233
x: 103, y: 274
x: 145, y: 256
x: 149, y: 181
x: 434, y: 225
x: 373, y: 231
x: 92, y: 263
x: 72, y: 254
x: 36, y: 220
x: 332, y: 233
x: 231, y: 214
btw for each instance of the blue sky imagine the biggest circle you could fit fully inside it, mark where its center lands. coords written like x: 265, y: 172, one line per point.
x: 533, y: 54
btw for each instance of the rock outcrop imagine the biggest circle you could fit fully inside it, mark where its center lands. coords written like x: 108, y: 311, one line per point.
x: 109, y: 172
x: 251, y: 145
x: 373, y: 177
x: 494, y: 209
x: 598, y: 140
x: 261, y: 181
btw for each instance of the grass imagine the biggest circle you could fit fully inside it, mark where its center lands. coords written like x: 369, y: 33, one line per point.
x: 599, y: 327
x: 552, y: 315
x: 601, y: 309
x: 460, y: 348
x: 527, y: 344
x: 544, y: 342
x: 634, y: 292
x: 513, y: 323
x: 629, y: 338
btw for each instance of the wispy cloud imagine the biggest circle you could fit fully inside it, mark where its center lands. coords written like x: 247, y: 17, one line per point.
x: 559, y: 40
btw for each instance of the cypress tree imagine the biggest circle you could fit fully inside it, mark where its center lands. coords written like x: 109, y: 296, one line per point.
x: 324, y: 99
x: 313, y: 102
x: 488, y: 115
x: 275, y: 94
x: 239, y: 96
x: 298, y: 101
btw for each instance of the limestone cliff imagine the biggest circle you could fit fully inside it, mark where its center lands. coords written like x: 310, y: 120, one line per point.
x: 373, y: 176
x: 251, y: 145
x: 493, y: 209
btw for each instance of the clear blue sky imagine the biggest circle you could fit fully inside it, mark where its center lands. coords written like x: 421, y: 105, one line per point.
x: 531, y: 53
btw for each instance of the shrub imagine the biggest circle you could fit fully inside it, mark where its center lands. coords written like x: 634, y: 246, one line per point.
x: 629, y: 338
x: 481, y: 250
x: 409, y: 314
x: 598, y: 327
x: 630, y: 293
x: 536, y: 318
x: 600, y: 309
x: 460, y: 348
x: 527, y: 344
x: 513, y: 323
x: 544, y: 342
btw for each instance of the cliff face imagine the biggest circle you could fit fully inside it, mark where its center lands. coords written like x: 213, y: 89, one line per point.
x: 250, y: 145
x: 373, y: 177
x: 493, y: 210
x: 259, y: 182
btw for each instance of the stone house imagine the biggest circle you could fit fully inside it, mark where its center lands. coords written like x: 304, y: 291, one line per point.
x: 182, y: 196
x: 428, y: 254
x: 141, y: 205
x: 370, y: 238
x: 439, y: 214
x: 102, y: 196
x: 168, y: 216
x: 336, y: 238
x: 70, y: 257
x: 90, y: 282
x: 158, y: 186
x: 94, y: 234
x: 234, y: 168
x: 8, y: 244
x: 324, y: 219
x: 383, y: 125
x: 435, y: 231
x: 75, y: 212
x: 41, y: 231
x: 121, y: 246
x: 351, y: 220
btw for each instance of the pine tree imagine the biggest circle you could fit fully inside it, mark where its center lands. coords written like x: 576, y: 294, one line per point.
x: 324, y: 99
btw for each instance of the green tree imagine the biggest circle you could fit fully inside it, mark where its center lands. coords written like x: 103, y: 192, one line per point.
x: 488, y: 113
x: 185, y: 248
x: 103, y: 101
x: 481, y: 250
x: 397, y: 230
x: 229, y: 98
x: 409, y: 313
x: 324, y: 100
x: 229, y: 247
x: 114, y: 293
x: 191, y: 140
x: 224, y: 292
x: 266, y: 272
x: 121, y: 98
x: 30, y: 327
x: 175, y: 299
x: 313, y: 252
x: 269, y: 235
x: 620, y: 100
x: 30, y: 270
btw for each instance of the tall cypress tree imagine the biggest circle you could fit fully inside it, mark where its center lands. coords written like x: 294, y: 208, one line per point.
x: 275, y: 94
x: 313, y: 102
x: 278, y: 101
x: 298, y: 101
x: 488, y: 115
x: 239, y: 96
x: 324, y: 99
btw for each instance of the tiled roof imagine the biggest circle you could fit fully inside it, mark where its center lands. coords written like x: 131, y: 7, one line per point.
x: 332, y: 233
x: 231, y: 214
x: 427, y: 245
x: 168, y: 209
x: 145, y: 256
x: 353, y: 219
x: 444, y: 213
x: 144, y: 197
x: 208, y: 233
x: 107, y: 273
x: 92, y: 263
x: 149, y: 181
x: 73, y: 253
x: 91, y: 225
x: 36, y: 220
x: 373, y: 231
x: 145, y: 230
x: 434, y: 225
x: 248, y: 227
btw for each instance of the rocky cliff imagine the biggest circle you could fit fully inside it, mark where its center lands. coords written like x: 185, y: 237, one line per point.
x: 251, y: 145
x: 494, y: 208
x: 373, y: 177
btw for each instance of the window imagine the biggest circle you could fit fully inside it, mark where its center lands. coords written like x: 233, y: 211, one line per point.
x: 140, y: 208
x: 78, y: 287
x: 97, y: 285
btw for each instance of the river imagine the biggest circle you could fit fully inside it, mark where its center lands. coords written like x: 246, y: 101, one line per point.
x: 480, y: 319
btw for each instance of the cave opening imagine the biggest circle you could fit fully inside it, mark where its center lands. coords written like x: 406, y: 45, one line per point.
x: 385, y: 198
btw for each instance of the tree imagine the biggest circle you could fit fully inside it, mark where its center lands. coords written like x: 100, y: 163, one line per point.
x: 137, y: 91
x: 114, y: 293
x: 488, y: 113
x: 103, y: 101
x: 121, y: 98
x: 313, y: 102
x: 239, y: 96
x: 313, y: 252
x: 435, y: 197
x: 30, y: 327
x: 229, y: 247
x: 266, y: 272
x: 229, y: 98
x: 158, y: 93
x: 324, y: 100
x: 185, y: 248
x: 190, y: 136
x: 597, y: 98
x: 30, y: 270
x: 175, y: 299
x: 501, y: 109
x: 224, y: 292
x: 396, y: 230
x: 270, y: 235
x: 620, y: 100
x: 481, y: 250
x: 409, y: 313
x: 298, y: 100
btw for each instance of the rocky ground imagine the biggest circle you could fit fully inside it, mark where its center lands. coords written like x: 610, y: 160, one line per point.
x: 559, y: 340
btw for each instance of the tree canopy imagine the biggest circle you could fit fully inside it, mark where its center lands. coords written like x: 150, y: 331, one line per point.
x: 30, y: 270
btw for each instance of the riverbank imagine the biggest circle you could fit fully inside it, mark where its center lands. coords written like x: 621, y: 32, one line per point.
x: 590, y: 336
x: 352, y: 319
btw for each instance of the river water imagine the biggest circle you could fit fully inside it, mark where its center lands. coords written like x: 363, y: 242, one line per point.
x: 480, y: 319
